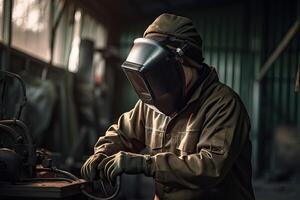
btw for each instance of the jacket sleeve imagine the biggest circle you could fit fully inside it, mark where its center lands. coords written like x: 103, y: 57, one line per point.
x: 126, y: 135
x: 225, y: 131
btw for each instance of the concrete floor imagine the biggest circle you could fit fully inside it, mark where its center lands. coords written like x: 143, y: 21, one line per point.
x: 276, y: 191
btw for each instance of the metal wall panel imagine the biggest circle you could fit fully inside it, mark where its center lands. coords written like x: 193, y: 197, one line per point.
x: 223, y: 35
x: 280, y: 102
x: 237, y: 39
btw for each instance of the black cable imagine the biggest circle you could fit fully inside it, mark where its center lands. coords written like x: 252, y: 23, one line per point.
x: 114, y: 195
x: 21, y: 125
x: 12, y: 75
x: 3, y: 91
x: 10, y: 130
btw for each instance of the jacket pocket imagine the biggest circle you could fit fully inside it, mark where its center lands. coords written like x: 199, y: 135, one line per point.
x: 153, y: 138
x: 186, y: 142
x: 213, y: 140
x: 214, y: 149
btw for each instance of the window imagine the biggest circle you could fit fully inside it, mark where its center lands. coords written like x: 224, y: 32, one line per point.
x: 63, y: 35
x: 74, y: 54
x: 30, y: 27
x: 1, y: 19
x: 86, y: 27
x: 95, y: 31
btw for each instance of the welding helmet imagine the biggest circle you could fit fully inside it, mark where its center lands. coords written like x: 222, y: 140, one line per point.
x: 156, y: 74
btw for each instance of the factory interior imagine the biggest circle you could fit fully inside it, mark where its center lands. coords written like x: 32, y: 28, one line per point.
x: 62, y: 87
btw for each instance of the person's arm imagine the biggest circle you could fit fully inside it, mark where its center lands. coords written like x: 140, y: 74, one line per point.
x: 126, y: 135
x: 227, y: 124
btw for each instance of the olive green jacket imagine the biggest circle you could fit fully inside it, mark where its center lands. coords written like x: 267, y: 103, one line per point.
x: 203, y: 152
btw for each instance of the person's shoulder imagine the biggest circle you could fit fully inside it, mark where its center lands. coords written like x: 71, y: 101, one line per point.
x: 217, y: 89
x: 223, y: 94
x: 223, y: 90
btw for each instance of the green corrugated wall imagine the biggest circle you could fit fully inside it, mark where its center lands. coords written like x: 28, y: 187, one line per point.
x: 237, y: 39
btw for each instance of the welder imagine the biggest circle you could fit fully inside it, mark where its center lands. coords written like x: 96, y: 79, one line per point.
x: 192, y: 129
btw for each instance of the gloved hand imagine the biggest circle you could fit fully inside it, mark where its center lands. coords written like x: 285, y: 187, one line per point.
x: 125, y: 162
x: 89, y: 169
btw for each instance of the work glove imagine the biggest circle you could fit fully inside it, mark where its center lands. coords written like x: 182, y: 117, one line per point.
x: 89, y: 169
x: 125, y: 162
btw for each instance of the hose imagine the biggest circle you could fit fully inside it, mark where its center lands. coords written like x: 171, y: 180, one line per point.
x: 65, y: 173
x: 83, y: 190
x: 47, y: 179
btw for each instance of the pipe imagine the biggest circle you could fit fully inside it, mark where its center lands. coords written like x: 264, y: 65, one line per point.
x: 47, y: 179
x: 281, y: 46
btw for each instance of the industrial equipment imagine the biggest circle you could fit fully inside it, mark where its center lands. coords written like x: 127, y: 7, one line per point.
x: 28, y: 173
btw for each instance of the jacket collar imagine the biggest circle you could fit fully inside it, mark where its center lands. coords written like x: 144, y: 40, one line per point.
x: 211, y: 78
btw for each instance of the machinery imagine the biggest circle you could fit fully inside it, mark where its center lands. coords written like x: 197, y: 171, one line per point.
x: 28, y: 173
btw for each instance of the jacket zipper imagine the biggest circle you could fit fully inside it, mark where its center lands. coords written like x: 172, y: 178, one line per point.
x: 165, y: 132
x: 167, y: 125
